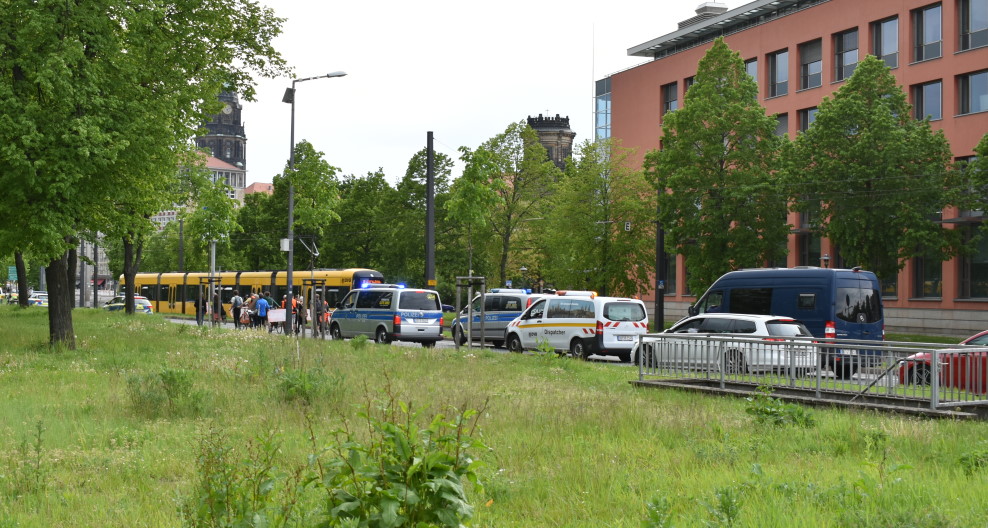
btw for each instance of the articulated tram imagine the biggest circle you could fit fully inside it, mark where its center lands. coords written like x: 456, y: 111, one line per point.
x: 177, y: 292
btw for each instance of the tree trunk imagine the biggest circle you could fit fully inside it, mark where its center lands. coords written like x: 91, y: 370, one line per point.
x: 132, y: 262
x: 60, y: 329
x: 21, y: 279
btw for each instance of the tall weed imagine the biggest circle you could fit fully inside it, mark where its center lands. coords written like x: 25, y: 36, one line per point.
x: 169, y: 392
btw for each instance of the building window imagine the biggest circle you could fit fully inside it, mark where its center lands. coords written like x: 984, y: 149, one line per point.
x: 670, y: 98
x: 751, y: 66
x: 974, y: 23
x: 809, y: 249
x: 782, y: 124
x: 890, y: 288
x: 927, y: 277
x: 687, y: 82
x: 806, y: 118
x: 927, y: 33
x: 885, y: 45
x: 974, y: 92
x: 670, y: 274
x: 974, y: 270
x: 927, y: 100
x: 602, y: 109
x: 845, y: 54
x: 810, y: 65
x: 778, y: 71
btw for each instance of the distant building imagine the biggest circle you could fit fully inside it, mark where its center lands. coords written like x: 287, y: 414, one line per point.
x: 225, y: 138
x: 259, y: 187
x: 799, y: 52
x: 555, y: 135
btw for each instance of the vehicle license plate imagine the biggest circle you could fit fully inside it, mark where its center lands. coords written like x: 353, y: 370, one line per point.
x: 625, y: 338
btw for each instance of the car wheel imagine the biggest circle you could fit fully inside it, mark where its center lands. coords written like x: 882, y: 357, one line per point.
x: 625, y: 357
x: 514, y: 344
x: 498, y: 344
x: 335, y: 332
x: 734, y: 362
x: 458, y: 336
x: 428, y: 344
x: 844, y: 370
x: 381, y: 336
x: 578, y: 349
x: 647, y: 355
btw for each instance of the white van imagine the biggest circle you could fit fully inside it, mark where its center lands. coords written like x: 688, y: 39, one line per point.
x: 581, y: 323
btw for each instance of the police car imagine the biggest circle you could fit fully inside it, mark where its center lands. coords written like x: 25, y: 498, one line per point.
x: 581, y: 323
x: 389, y: 312
x: 501, y: 306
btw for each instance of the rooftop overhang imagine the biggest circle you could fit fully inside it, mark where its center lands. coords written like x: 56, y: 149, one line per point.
x: 703, y: 31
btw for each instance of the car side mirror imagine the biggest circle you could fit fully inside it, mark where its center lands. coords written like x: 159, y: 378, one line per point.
x: 693, y: 310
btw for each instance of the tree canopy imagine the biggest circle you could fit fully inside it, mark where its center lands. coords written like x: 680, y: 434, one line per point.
x: 873, y: 177
x: 719, y: 201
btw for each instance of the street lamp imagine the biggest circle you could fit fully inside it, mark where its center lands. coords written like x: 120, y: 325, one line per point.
x: 290, y: 99
x: 826, y: 260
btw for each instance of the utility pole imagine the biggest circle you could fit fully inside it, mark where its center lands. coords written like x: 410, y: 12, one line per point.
x: 660, y: 270
x: 82, y: 274
x: 181, y: 245
x: 96, y: 273
x: 430, y: 214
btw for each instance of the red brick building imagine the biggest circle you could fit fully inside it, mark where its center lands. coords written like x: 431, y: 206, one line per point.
x: 800, y: 51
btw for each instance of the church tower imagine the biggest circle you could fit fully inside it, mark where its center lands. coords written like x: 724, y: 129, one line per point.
x: 225, y: 136
x: 555, y: 135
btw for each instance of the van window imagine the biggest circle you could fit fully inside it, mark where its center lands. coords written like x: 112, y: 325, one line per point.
x: 510, y: 304
x: 570, y: 308
x: 537, y: 310
x: 623, y: 311
x: 711, y: 303
x: 807, y: 301
x: 349, y: 301
x: 787, y: 329
x: 374, y: 299
x: 418, y: 300
x: 859, y: 305
x: 755, y: 301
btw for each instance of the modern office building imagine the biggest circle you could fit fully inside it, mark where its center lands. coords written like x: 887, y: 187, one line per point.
x: 800, y: 51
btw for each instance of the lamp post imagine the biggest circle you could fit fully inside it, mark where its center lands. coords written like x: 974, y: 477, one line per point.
x: 290, y: 98
x: 826, y: 260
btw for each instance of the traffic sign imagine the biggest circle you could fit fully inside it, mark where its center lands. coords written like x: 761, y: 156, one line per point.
x: 11, y: 273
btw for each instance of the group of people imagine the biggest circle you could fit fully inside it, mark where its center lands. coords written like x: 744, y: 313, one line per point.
x: 253, y: 311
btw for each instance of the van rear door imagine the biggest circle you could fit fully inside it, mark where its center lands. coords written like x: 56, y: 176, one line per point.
x: 858, y: 309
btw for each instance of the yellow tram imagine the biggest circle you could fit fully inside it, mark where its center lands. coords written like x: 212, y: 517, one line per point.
x: 177, y: 292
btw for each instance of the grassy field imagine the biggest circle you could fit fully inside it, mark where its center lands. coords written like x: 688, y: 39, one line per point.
x: 84, y: 441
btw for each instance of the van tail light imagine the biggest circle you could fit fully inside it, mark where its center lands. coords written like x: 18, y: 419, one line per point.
x: 600, y: 328
x: 397, y: 320
x: 773, y: 339
x: 830, y: 330
x: 883, y: 331
x: 440, y: 323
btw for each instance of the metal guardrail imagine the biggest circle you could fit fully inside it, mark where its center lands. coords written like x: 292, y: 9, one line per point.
x: 947, y: 376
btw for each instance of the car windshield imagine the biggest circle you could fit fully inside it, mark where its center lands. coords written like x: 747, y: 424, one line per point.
x: 787, y: 329
x: 418, y: 300
x: 624, y: 311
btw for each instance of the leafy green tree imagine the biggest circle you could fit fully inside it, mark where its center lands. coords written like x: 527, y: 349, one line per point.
x: 407, y: 213
x: 526, y: 177
x: 264, y: 224
x: 721, y: 207
x: 361, y: 237
x: 100, y: 98
x: 874, y: 176
x: 586, y: 240
x: 473, y: 194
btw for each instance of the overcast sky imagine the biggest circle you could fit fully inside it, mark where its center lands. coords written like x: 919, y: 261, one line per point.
x: 464, y: 70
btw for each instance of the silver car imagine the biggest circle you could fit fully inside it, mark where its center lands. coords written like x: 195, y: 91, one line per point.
x: 388, y: 312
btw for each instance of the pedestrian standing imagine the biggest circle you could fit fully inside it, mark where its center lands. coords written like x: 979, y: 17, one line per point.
x: 252, y: 309
x: 200, y: 305
x: 262, y: 311
x: 237, y: 302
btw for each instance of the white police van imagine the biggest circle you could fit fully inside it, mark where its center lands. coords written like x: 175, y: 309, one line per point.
x: 501, y: 306
x: 581, y: 323
x: 389, y: 312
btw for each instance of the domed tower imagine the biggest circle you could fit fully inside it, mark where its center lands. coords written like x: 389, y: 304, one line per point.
x: 555, y: 135
x: 225, y: 136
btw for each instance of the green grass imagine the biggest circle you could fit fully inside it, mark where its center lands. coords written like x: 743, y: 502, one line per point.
x: 572, y: 444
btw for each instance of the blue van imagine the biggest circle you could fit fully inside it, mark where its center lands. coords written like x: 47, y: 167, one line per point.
x: 832, y: 303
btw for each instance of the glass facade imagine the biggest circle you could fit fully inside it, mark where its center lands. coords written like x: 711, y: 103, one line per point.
x: 974, y: 92
x: 974, y: 23
x: 778, y: 66
x: 751, y: 66
x: 927, y: 33
x: 845, y: 54
x: 810, y: 65
x: 927, y: 278
x: 670, y: 98
x: 602, y: 109
x: 885, y: 46
x: 928, y: 100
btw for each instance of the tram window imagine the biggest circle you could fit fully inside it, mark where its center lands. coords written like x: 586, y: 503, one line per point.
x: 149, y: 293
x: 162, y: 292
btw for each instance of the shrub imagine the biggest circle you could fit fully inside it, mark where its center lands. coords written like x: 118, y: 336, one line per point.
x: 976, y: 459
x: 302, y: 386
x: 166, y: 393
x: 773, y: 411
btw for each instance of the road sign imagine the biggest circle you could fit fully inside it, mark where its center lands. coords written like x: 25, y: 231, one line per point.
x: 11, y: 273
